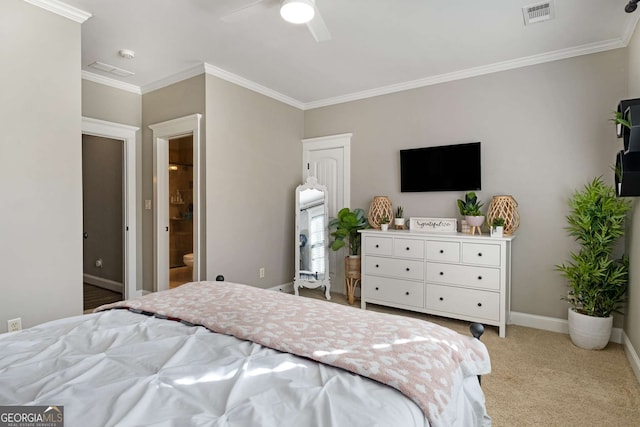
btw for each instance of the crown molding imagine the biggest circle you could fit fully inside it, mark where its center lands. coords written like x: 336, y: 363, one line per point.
x: 62, y: 9
x: 117, y: 84
x: 174, y: 78
x: 246, y: 83
x: 630, y: 28
x: 473, y: 72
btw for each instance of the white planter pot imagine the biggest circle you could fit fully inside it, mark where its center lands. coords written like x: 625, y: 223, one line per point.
x: 384, y: 227
x: 497, y: 231
x: 475, y: 221
x: 398, y: 221
x: 589, y: 332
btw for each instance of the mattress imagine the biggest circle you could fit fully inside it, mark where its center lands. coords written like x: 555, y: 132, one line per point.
x: 120, y: 368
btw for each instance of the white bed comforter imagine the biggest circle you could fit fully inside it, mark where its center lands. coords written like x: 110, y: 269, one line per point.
x: 121, y: 368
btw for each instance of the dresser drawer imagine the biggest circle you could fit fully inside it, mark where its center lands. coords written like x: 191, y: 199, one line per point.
x: 464, y: 275
x: 379, y: 245
x: 465, y: 302
x: 443, y: 251
x: 395, y: 267
x: 385, y: 289
x: 407, y: 248
x: 481, y: 254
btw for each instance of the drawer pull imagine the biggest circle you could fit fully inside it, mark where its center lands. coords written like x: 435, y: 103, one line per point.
x: 377, y: 246
x: 479, y: 304
x: 408, y: 248
x: 479, y: 277
x: 442, y: 273
x: 377, y: 288
x: 407, y: 292
x: 479, y: 253
x: 441, y: 251
x: 407, y: 268
x: 441, y: 299
x: 377, y: 266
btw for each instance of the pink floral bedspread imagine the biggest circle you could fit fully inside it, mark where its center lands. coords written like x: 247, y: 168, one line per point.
x: 424, y: 361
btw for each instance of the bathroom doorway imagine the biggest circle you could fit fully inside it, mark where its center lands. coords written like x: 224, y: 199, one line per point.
x: 180, y: 210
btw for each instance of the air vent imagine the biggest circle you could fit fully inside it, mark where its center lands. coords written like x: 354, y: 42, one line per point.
x: 111, y: 69
x: 539, y: 12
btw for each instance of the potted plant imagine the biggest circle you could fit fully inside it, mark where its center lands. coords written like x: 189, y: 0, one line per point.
x: 384, y: 223
x: 399, y: 219
x: 345, y: 231
x: 597, y: 282
x: 497, y: 227
x: 470, y: 209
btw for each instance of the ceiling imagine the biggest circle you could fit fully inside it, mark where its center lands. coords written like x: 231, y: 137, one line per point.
x: 377, y: 46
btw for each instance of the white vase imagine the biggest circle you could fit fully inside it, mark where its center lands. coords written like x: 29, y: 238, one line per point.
x: 398, y: 222
x: 384, y: 227
x: 497, y: 231
x: 589, y: 332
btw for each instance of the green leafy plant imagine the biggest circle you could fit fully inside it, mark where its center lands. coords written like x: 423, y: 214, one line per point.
x: 470, y: 206
x: 384, y: 219
x: 345, y: 229
x: 597, y: 281
x: 618, y: 118
x: 399, y: 212
x: 497, y: 222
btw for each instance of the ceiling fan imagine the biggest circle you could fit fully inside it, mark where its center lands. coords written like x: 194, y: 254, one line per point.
x: 289, y: 9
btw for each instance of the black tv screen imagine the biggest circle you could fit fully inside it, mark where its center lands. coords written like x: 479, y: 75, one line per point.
x: 442, y: 168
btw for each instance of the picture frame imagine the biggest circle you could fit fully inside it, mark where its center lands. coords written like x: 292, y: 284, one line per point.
x: 433, y: 225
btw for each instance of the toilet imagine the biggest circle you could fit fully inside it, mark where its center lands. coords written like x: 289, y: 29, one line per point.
x: 188, y: 259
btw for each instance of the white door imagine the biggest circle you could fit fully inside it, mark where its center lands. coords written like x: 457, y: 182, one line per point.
x: 329, y: 159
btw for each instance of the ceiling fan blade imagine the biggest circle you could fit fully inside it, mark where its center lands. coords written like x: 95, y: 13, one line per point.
x: 240, y: 13
x: 318, y: 28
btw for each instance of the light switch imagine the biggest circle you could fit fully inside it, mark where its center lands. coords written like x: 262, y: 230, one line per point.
x: 147, y: 204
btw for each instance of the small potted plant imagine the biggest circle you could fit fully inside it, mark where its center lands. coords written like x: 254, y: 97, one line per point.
x: 470, y: 209
x: 497, y: 227
x: 384, y: 223
x: 399, y: 219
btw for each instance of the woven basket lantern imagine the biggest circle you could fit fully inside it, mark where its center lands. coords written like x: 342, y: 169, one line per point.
x: 504, y: 207
x: 381, y: 206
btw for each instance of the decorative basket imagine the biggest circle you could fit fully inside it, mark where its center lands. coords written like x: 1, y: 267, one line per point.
x: 504, y: 207
x: 380, y: 206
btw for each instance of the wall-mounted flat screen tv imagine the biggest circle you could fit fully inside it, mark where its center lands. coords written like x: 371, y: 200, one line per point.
x: 441, y: 168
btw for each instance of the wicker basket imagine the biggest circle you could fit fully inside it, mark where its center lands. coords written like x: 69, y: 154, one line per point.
x: 380, y: 206
x: 504, y: 207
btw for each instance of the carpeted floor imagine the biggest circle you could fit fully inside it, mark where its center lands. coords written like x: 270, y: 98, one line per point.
x: 541, y: 379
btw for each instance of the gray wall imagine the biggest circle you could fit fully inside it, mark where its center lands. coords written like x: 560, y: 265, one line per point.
x: 41, y: 177
x: 544, y: 131
x: 632, y: 318
x: 111, y: 104
x: 177, y: 100
x: 253, y: 161
x: 102, y: 161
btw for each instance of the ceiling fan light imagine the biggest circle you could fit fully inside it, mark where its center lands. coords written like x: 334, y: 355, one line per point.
x: 297, y: 11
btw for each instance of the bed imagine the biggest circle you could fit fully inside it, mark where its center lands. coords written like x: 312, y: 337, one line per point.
x: 225, y: 354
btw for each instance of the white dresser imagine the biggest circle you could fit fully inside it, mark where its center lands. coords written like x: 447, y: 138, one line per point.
x: 446, y: 274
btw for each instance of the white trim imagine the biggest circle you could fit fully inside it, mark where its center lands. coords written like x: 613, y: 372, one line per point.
x: 472, y: 72
x: 117, y: 84
x: 629, y: 29
x: 62, y: 9
x: 632, y: 355
x: 162, y: 132
x: 101, y: 282
x: 129, y: 135
x: 285, y: 287
x: 553, y: 324
x: 174, y: 78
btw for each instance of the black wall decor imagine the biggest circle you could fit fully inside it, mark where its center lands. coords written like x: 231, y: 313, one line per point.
x: 627, y: 169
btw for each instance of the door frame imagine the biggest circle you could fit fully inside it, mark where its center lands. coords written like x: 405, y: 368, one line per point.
x: 129, y: 136
x: 162, y: 133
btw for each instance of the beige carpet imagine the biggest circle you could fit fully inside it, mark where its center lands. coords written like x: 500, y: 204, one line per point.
x: 540, y: 378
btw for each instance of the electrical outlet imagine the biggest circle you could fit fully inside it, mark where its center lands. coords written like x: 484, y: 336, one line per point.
x: 14, y: 325
x: 262, y: 272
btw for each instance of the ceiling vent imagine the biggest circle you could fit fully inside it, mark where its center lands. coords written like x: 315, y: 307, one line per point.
x: 539, y: 12
x: 111, y: 69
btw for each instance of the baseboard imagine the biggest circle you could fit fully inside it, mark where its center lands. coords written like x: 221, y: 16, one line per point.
x: 102, y: 283
x: 632, y: 355
x: 287, y: 288
x: 553, y: 324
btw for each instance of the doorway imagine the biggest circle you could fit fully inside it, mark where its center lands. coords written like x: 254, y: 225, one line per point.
x: 126, y: 138
x: 163, y: 133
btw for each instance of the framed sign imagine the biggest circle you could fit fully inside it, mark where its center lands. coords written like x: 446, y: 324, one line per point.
x: 433, y: 225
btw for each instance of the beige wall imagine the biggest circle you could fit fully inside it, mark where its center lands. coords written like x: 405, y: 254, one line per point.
x: 111, y: 104
x: 177, y: 100
x: 544, y: 131
x: 40, y: 179
x: 253, y: 161
x: 632, y: 318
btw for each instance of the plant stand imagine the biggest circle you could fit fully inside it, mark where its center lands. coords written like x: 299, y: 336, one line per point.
x: 352, y: 276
